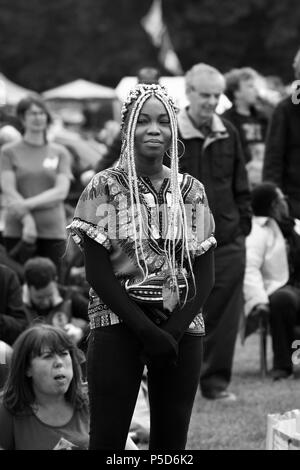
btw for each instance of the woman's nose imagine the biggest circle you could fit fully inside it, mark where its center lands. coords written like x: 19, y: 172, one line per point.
x: 58, y: 360
x: 154, y: 128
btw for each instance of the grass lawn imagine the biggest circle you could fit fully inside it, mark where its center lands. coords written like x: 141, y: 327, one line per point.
x: 241, y: 425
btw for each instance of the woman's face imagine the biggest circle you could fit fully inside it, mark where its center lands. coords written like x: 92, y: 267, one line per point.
x: 51, y: 373
x: 153, y: 130
x: 35, y: 119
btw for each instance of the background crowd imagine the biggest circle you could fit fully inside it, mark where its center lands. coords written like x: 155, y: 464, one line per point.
x: 247, y: 159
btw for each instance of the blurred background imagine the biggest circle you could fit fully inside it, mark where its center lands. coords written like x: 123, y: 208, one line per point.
x: 84, y: 56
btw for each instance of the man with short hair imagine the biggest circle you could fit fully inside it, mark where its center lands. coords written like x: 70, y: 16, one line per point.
x: 213, y: 155
x: 282, y: 162
x: 251, y: 123
x: 57, y: 305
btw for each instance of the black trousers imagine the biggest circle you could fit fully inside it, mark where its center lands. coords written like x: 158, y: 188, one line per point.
x: 114, y: 376
x: 285, y: 315
x: 222, y: 313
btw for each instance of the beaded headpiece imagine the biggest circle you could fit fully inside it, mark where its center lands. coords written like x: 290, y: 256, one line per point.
x: 142, y: 89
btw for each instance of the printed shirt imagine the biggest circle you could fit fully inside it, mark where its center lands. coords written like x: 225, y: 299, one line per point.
x: 105, y: 215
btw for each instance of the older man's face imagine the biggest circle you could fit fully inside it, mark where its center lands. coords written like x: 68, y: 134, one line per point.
x: 204, y: 96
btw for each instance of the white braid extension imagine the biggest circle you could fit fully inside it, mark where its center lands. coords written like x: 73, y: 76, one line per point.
x: 132, y: 176
x: 137, y: 97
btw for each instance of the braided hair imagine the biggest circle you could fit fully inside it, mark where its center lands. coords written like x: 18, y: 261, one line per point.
x: 177, y: 215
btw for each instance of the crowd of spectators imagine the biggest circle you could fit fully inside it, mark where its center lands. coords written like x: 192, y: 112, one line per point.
x: 44, y: 325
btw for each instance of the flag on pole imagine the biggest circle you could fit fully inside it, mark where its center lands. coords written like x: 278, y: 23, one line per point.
x: 154, y: 25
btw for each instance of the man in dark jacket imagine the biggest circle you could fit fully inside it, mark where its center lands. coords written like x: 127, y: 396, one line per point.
x: 282, y: 157
x: 213, y: 155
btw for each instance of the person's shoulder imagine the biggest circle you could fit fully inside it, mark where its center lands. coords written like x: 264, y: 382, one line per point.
x: 108, y: 175
x: 103, y: 181
x: 230, y: 127
x: 58, y: 148
x: 6, y: 272
x: 11, y: 147
x: 283, y: 105
x: 83, y: 411
x: 229, y: 114
x: 101, y: 176
x: 261, y: 228
x: 193, y: 183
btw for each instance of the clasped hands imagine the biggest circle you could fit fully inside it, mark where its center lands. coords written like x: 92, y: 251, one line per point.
x: 19, y: 209
x: 160, y: 349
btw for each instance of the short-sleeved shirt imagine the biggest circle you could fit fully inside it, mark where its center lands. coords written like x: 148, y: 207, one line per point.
x: 104, y: 213
x: 36, y: 168
x: 28, y: 432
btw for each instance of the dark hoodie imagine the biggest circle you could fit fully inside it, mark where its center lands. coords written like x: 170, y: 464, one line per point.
x: 282, y: 157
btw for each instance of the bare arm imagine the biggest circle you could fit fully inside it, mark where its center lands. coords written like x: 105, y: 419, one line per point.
x: 51, y: 196
x: 9, y: 186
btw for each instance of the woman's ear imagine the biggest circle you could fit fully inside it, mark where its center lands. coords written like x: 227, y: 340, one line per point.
x: 28, y: 372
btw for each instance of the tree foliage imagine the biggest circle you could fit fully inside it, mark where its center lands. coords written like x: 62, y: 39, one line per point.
x: 45, y: 43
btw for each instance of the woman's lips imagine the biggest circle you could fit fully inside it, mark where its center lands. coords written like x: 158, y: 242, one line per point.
x: 155, y: 143
x: 60, y: 378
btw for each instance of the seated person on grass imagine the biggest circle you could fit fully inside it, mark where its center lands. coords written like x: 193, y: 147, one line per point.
x: 272, y: 275
x: 48, y: 302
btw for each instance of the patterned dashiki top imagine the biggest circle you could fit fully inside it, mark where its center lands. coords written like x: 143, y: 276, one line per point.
x: 104, y: 214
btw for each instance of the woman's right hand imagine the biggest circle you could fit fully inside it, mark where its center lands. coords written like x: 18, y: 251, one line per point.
x: 160, y: 349
x: 29, y: 231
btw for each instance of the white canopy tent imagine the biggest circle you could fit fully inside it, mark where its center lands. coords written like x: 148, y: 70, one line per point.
x: 10, y: 92
x: 175, y: 87
x: 80, y: 90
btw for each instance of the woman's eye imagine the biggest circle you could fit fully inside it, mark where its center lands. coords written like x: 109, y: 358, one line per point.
x: 165, y: 121
x: 142, y: 121
x: 47, y: 355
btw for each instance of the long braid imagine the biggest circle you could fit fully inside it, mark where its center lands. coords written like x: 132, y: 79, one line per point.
x: 178, y: 220
x: 133, y: 180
